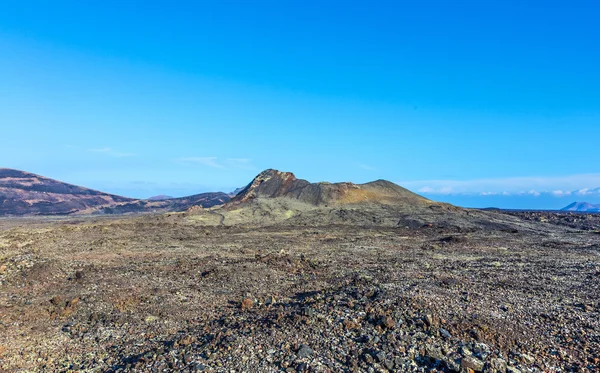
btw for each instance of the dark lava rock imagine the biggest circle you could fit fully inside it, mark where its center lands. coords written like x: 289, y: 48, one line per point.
x: 304, y: 351
x: 444, y: 333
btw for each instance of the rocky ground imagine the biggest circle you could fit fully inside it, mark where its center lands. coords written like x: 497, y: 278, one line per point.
x: 165, y: 293
x: 576, y: 220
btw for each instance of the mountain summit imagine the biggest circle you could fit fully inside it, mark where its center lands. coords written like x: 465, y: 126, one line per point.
x: 276, y: 184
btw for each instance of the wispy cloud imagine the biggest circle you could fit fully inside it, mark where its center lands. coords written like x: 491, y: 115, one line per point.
x: 440, y: 190
x: 203, y: 161
x: 365, y: 167
x: 239, y: 163
x: 587, y: 191
x: 561, y: 193
x: 215, y: 162
x: 558, y: 186
x: 111, y: 152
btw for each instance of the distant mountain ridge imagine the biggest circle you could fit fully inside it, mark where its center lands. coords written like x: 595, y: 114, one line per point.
x: 24, y: 193
x: 582, y: 207
x: 160, y: 197
x: 235, y: 192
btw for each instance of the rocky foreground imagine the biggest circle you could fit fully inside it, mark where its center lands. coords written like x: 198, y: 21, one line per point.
x: 163, y: 293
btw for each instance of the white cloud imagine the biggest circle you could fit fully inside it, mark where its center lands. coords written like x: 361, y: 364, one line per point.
x: 583, y: 192
x: 445, y: 190
x: 111, y: 152
x: 215, y: 162
x: 239, y: 163
x: 430, y: 190
x: 561, y: 193
x: 204, y: 161
x: 555, y: 185
x: 365, y: 167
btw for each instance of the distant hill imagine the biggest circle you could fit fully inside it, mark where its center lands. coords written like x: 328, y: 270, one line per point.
x: 23, y: 193
x: 235, y: 192
x: 582, y: 207
x: 274, y: 197
x: 276, y: 184
x: 205, y: 200
x: 160, y: 197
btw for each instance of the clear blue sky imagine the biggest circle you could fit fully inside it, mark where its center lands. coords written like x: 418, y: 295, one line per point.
x: 463, y: 101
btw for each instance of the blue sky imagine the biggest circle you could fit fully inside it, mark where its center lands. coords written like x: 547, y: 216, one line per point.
x: 479, y: 103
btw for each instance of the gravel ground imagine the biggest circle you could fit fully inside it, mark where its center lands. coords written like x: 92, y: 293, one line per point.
x: 164, y: 293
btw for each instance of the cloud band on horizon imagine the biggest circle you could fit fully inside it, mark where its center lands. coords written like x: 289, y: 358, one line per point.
x: 557, y: 186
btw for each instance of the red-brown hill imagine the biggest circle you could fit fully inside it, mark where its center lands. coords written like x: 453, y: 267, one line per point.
x: 23, y: 193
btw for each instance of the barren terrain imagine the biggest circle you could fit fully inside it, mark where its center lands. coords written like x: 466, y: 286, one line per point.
x: 170, y: 293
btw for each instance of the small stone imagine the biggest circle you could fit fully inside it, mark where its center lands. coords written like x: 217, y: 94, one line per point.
x: 247, y: 303
x: 349, y: 324
x: 472, y: 363
x: 388, y: 322
x: 512, y: 370
x: 304, y: 351
x: 433, y: 353
x: 308, y: 312
x: 187, y: 340
x: 56, y: 300
x: 368, y: 358
x: 389, y: 364
x: 150, y: 319
x: 380, y: 357
x: 428, y: 320
x: 452, y: 364
x: 527, y: 359
x: 498, y: 365
x: 465, y: 351
x: 302, y: 367
x: 444, y: 333
x: 399, y: 362
x: 481, y: 350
